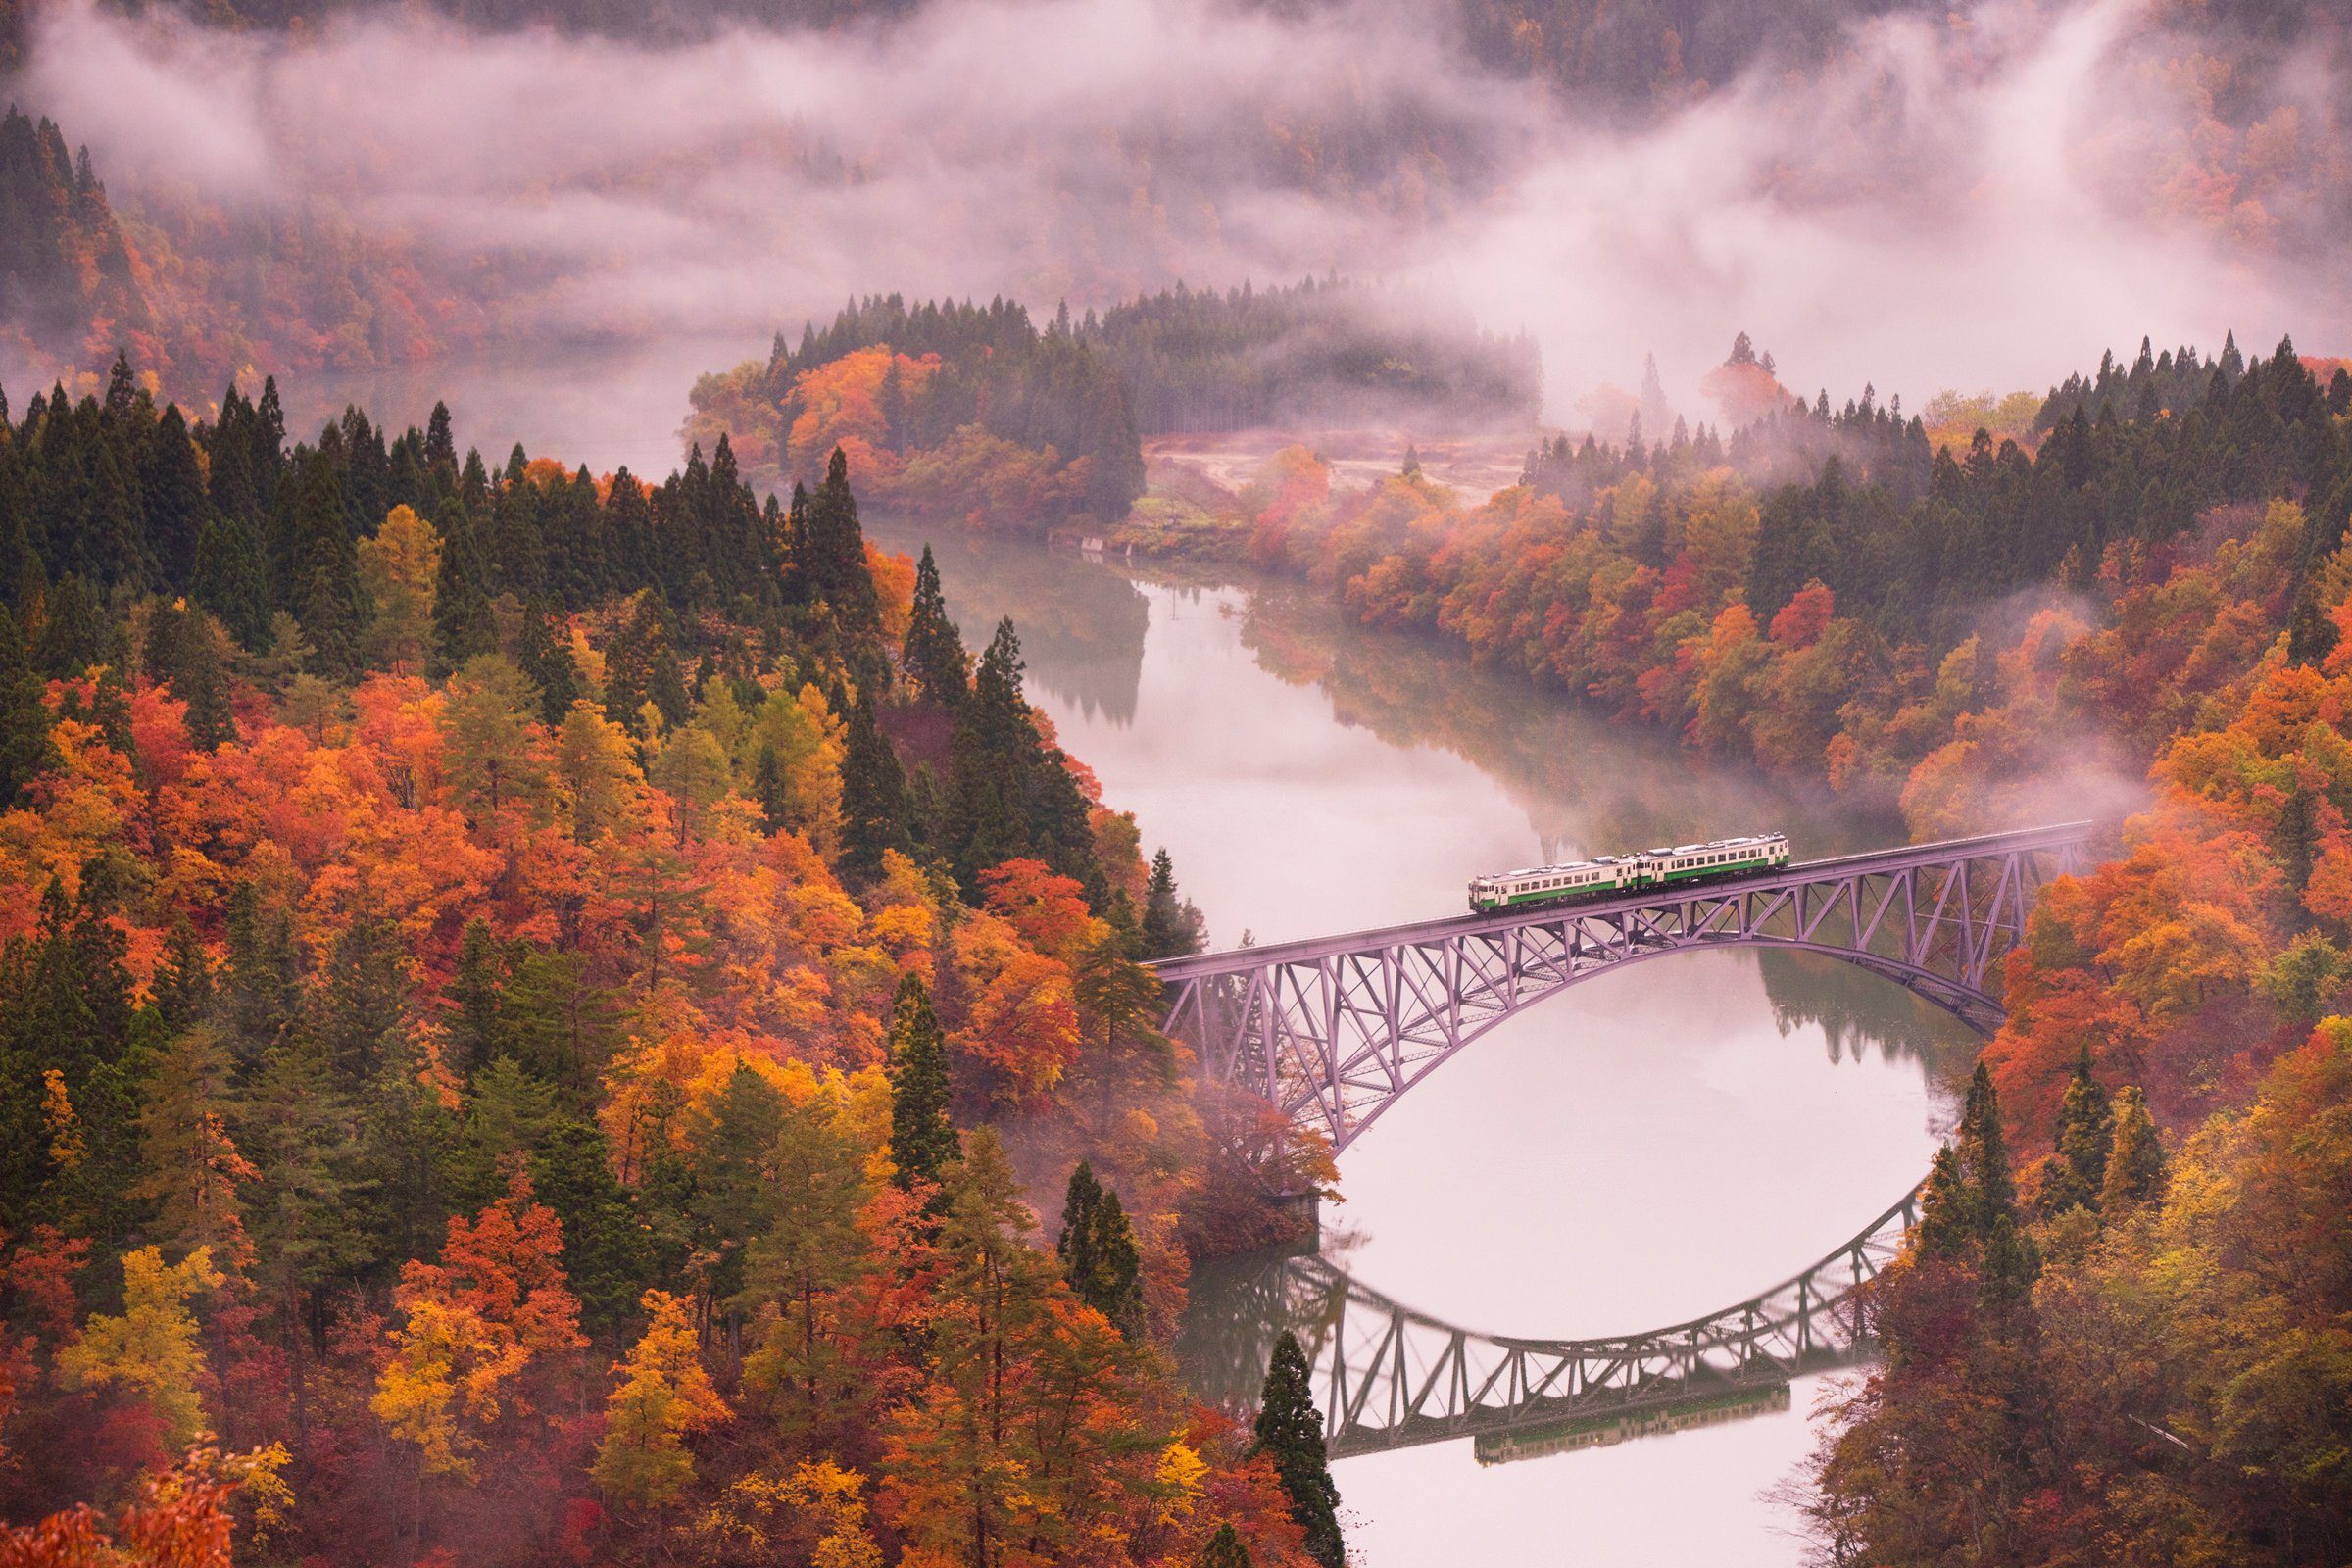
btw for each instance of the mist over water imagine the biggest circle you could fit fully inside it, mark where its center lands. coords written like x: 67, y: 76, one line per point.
x: 1905, y: 215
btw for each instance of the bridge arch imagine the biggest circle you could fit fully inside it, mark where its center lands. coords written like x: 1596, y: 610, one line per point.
x: 1388, y: 1376
x: 1333, y: 1032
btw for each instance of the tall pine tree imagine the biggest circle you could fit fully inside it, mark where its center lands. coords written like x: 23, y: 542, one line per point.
x: 922, y: 1140
x: 1289, y: 1430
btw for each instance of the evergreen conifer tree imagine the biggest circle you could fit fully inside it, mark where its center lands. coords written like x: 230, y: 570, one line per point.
x: 834, y: 548
x: 1947, y: 1222
x: 1224, y: 1551
x: 874, y: 809
x: 922, y: 1140
x: 476, y: 1035
x: 1097, y: 1252
x: 1984, y: 1153
x: 1289, y: 1430
x: 172, y: 499
x: 461, y: 625
x: 767, y: 789
x: 2135, y: 1164
x: 933, y: 654
x: 184, y: 980
x: 2085, y: 1132
x: 2005, y: 1278
x: 26, y: 748
x: 230, y: 580
x: 1171, y: 926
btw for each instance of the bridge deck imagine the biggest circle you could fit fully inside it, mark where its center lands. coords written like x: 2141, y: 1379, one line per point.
x: 1229, y: 959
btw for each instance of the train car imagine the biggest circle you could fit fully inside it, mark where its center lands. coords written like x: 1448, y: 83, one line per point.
x: 1628, y: 873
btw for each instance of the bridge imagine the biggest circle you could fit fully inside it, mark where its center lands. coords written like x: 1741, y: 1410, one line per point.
x: 1332, y: 1032
x: 1389, y: 1377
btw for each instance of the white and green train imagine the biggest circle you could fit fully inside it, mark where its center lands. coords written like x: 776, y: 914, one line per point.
x: 1628, y: 873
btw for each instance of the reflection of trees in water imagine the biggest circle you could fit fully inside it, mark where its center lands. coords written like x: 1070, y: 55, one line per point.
x: 1082, y: 622
x: 1234, y: 1307
x: 1858, y: 1011
x: 1589, y: 785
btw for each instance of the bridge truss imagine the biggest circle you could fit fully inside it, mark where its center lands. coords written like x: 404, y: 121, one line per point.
x: 1389, y: 1377
x: 1334, y: 1031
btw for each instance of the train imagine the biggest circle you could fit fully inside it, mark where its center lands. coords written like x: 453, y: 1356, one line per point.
x: 1628, y: 873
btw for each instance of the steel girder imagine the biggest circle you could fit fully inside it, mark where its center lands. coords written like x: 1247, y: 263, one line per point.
x: 1389, y: 1377
x: 1333, y: 1032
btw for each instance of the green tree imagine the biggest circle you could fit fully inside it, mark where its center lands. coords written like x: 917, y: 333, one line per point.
x: 605, y: 1248
x: 488, y: 724
x: 183, y: 652
x: 922, y: 1140
x: 2085, y: 1132
x: 2135, y: 1164
x: 191, y: 1169
x: 1173, y: 926
x: 734, y: 1143
x: 474, y: 1036
x: 933, y: 654
x: 875, y: 813
x: 811, y: 1250
x: 1289, y: 1430
x: 1224, y: 1551
x: 231, y: 580
x: 26, y: 748
x: 462, y: 628
x: 1097, y: 1252
x: 1946, y: 1213
x: 1985, y: 1155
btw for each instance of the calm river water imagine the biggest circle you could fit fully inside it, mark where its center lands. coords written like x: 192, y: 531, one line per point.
x: 1645, y: 1149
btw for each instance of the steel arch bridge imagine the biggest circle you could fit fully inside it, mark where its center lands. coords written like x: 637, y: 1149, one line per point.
x: 1334, y: 1031
x: 1389, y: 1377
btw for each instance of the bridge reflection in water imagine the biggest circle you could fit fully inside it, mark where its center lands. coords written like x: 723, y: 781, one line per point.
x: 1389, y: 1377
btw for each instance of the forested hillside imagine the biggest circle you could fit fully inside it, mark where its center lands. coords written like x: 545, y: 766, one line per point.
x: 530, y: 1003
x: 1317, y: 355
x: 1903, y: 617
x: 950, y: 409
x: 63, y: 266
x: 965, y: 411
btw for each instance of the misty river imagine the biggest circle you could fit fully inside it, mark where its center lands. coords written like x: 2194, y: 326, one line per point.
x: 1651, y: 1147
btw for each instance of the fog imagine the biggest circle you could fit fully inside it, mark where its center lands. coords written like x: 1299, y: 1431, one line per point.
x: 1989, y: 200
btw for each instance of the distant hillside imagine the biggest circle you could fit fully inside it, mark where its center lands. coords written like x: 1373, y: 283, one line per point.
x: 973, y: 410
x: 65, y: 269
x: 942, y: 405
x: 1330, y: 353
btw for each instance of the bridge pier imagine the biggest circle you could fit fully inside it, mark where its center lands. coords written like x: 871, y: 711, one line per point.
x: 1305, y: 1213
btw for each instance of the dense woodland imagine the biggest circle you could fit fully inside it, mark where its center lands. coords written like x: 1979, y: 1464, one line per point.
x: 1326, y: 354
x: 530, y: 1007
x: 947, y: 408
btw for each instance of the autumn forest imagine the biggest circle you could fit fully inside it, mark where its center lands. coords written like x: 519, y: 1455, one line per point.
x: 566, y: 997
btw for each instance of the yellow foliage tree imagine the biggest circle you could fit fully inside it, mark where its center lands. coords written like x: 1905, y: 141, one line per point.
x: 150, y: 1346
x: 400, y: 569
x: 440, y: 1390
x: 664, y: 1395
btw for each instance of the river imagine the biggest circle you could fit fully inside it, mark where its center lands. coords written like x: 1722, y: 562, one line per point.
x: 1649, y: 1148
